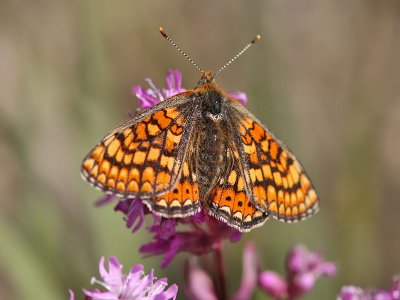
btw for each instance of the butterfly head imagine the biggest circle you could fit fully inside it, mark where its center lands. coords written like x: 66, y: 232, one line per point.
x: 206, y: 77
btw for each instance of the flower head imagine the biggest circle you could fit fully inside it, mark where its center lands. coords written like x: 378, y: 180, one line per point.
x: 240, y: 96
x: 148, y: 97
x: 198, y: 284
x: 352, y: 292
x: 204, y: 235
x: 250, y: 270
x: 134, y: 286
x: 303, y: 268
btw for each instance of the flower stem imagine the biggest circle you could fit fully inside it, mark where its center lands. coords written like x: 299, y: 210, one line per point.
x: 221, y: 278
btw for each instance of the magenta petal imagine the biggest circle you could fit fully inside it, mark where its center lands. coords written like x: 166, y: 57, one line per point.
x: 178, y: 79
x: 235, y: 236
x: 304, y: 267
x: 200, y: 217
x: 174, y: 84
x: 396, y: 287
x: 135, y: 215
x: 114, y: 275
x: 99, y: 295
x: 71, y: 295
x: 102, y: 269
x: 171, y: 292
x: 249, y: 273
x: 171, y: 82
x: 273, y: 284
x: 240, y: 96
x: 304, y: 282
x: 145, y: 99
x: 198, y: 285
x: 177, y: 245
x: 328, y: 269
x: 133, y: 286
x: 350, y: 293
x: 382, y: 295
x: 105, y: 200
x: 298, y: 259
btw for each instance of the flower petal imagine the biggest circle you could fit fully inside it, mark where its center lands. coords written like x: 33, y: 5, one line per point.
x: 249, y: 273
x: 350, y: 292
x: 198, y: 284
x: 273, y: 284
x: 145, y: 99
x: 171, y: 292
x: 174, y: 82
x: 71, y: 295
x: 240, y: 96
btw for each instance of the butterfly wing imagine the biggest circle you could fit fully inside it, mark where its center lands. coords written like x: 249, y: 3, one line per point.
x: 228, y: 200
x: 144, y: 156
x: 183, y: 199
x: 274, y: 179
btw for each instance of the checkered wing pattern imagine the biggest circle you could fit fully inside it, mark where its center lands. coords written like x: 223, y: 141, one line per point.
x: 275, y: 180
x: 229, y: 201
x: 144, y: 156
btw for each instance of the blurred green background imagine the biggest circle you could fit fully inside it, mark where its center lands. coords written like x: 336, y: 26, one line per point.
x: 325, y: 78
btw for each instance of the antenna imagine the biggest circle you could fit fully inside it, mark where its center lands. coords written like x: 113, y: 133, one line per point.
x: 164, y: 34
x: 253, y: 41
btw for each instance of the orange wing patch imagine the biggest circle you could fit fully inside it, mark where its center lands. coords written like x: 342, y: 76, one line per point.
x: 273, y: 176
x: 229, y: 202
x: 142, y: 157
x: 181, y: 200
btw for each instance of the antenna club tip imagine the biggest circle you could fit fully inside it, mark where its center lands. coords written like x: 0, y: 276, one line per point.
x: 256, y: 39
x: 162, y: 31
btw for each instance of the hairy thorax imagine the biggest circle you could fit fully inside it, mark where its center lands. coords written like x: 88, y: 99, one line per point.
x: 211, y: 140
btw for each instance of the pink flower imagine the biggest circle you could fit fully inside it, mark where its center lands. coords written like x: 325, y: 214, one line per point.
x: 250, y: 270
x: 198, y: 284
x: 134, y: 286
x: 151, y: 96
x: 148, y: 97
x: 203, y: 234
x: 303, y: 268
x: 352, y: 292
x: 240, y: 96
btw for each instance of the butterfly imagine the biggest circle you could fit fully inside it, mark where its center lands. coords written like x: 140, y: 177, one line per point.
x: 202, y: 149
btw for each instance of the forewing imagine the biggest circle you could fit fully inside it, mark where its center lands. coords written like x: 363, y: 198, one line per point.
x: 143, y: 156
x: 275, y: 180
x: 228, y: 200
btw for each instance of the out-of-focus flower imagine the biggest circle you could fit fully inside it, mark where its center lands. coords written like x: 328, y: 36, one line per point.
x: 198, y: 284
x: 174, y: 84
x: 303, y: 268
x: 204, y: 233
x: 134, y: 286
x: 148, y: 97
x: 240, y: 96
x: 352, y: 292
x: 250, y: 271
x: 273, y: 284
x: 151, y: 96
